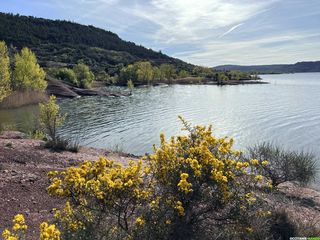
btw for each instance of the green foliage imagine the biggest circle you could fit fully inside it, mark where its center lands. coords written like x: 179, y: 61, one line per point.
x: 83, y: 74
x: 127, y: 73
x: 144, y: 72
x: 28, y: 75
x: 5, y: 87
x: 36, y: 134
x: 102, y: 76
x: 130, y: 85
x: 67, y: 75
x: 167, y: 72
x: 221, y: 77
x: 284, y: 165
x: 183, y: 74
x: 51, y: 119
x: 202, y: 71
x: 62, y: 144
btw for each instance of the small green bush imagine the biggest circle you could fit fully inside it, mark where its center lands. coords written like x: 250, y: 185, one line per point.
x: 84, y: 76
x: 284, y: 165
x: 51, y: 119
x: 62, y: 144
x: 67, y: 75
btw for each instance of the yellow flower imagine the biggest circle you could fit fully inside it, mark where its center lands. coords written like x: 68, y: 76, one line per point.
x: 265, y: 163
x: 19, y: 223
x: 258, y: 177
x: 7, y: 235
x: 140, y: 221
x: 254, y: 161
x: 49, y: 232
x: 168, y: 221
x: 180, y: 208
x: 184, y: 185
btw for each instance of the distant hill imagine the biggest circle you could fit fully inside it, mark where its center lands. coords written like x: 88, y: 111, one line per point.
x: 277, y: 68
x: 63, y: 42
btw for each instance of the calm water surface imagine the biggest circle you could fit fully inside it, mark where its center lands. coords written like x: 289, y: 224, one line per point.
x: 287, y: 111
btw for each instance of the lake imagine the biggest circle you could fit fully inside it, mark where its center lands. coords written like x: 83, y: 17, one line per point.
x: 286, y: 111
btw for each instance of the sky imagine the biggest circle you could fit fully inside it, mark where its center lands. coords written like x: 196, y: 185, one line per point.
x: 202, y: 32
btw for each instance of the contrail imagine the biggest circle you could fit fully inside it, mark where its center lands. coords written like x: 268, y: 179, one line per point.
x: 230, y: 30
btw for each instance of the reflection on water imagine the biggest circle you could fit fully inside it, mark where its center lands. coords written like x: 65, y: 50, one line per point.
x: 23, y: 119
x: 287, y: 111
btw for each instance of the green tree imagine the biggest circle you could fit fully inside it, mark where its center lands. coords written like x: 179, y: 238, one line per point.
x: 167, y: 71
x: 104, y: 77
x: 84, y: 75
x: 127, y: 73
x: 130, y: 85
x: 68, y: 75
x: 28, y: 75
x: 51, y: 118
x: 144, y: 72
x: 202, y: 71
x: 5, y: 88
x: 156, y: 74
x: 184, y: 74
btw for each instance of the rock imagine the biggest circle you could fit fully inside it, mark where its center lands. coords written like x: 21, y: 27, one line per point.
x: 58, y: 88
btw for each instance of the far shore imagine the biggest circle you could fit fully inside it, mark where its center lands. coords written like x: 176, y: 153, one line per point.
x: 64, y: 90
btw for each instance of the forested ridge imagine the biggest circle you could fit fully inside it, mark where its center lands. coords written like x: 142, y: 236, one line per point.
x: 275, y: 68
x: 63, y: 42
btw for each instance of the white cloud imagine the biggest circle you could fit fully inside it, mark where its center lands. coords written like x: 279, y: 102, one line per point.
x: 264, y: 50
x: 181, y: 21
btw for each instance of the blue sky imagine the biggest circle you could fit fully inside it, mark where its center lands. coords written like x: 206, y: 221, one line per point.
x: 204, y: 32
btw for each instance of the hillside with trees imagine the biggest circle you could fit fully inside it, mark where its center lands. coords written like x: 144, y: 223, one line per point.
x: 64, y: 43
x: 275, y: 68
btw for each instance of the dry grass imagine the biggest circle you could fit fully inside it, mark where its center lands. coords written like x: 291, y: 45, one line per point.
x: 22, y: 98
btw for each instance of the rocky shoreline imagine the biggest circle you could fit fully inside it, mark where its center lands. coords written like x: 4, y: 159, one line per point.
x: 60, y: 89
x: 24, y: 164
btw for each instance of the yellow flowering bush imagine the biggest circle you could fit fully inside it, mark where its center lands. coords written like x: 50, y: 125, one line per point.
x: 200, y: 183
x: 102, y: 195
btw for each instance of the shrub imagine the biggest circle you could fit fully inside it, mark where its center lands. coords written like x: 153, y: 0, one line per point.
x: 191, y: 187
x: 67, y: 75
x: 284, y: 165
x: 51, y: 119
x: 84, y: 76
x: 103, y: 199
x: 130, y: 85
x: 62, y: 144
